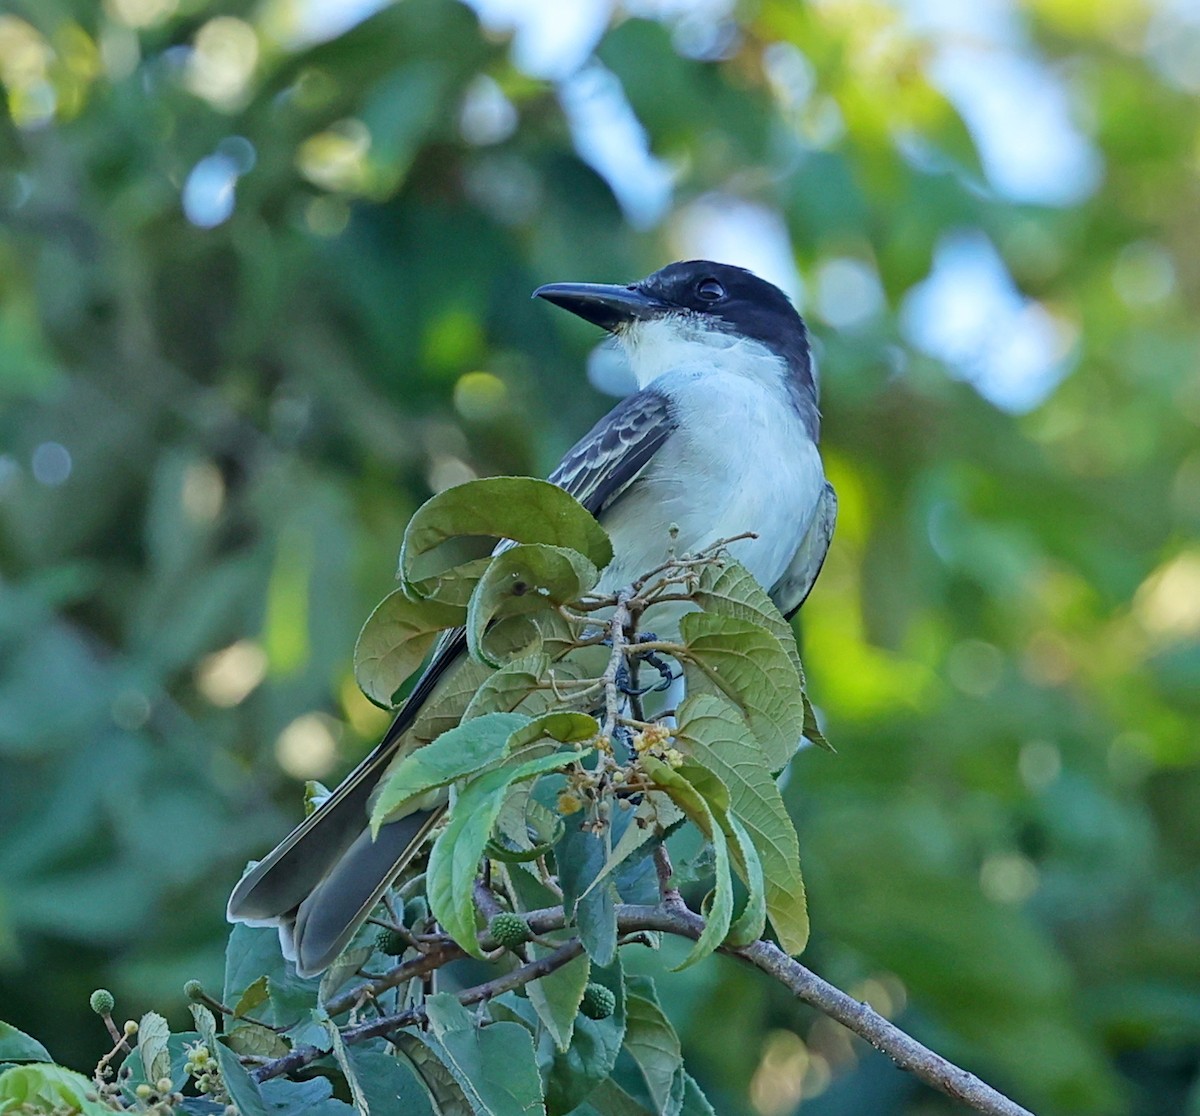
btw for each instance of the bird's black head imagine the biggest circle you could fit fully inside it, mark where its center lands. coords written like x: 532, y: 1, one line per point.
x: 704, y: 297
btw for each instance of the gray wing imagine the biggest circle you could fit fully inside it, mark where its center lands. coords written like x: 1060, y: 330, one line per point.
x: 609, y: 457
x: 790, y: 591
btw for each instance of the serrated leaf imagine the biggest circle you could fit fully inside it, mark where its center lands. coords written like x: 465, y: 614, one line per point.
x: 343, y: 968
x: 444, y: 708
x: 609, y: 1099
x: 153, y: 1036
x: 206, y: 1024
x: 394, y: 641
x: 253, y: 1038
x: 556, y: 996
x: 570, y: 1076
x: 507, y: 687
x: 524, y: 579
x: 314, y: 794
x: 243, y: 1089
x: 41, y: 1087
x: 653, y: 815
x: 518, y: 508
x: 462, y: 751
x: 254, y: 995
x: 456, y: 852
x: 655, y: 1047
x: 341, y: 1055
x: 695, y: 1103
x: 693, y: 803
x: 388, y: 1083
x: 732, y: 590
x: 447, y: 1095
x: 713, y: 734
x: 17, y: 1046
x: 580, y: 857
x: 750, y: 666
x: 560, y: 725
x: 749, y: 925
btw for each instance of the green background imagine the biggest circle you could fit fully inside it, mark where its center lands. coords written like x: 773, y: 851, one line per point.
x: 211, y: 438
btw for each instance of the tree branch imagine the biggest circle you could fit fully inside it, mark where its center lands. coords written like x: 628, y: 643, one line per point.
x: 670, y: 918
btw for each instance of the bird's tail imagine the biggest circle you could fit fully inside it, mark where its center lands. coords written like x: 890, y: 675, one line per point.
x: 330, y: 916
x: 320, y: 882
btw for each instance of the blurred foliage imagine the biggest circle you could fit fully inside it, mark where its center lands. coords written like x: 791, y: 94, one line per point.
x: 211, y: 438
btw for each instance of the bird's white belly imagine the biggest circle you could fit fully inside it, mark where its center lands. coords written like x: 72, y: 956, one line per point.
x: 739, y: 461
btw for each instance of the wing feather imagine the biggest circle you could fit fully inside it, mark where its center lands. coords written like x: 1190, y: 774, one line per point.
x: 610, y: 456
x: 790, y: 591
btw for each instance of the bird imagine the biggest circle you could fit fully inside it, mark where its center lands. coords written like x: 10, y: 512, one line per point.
x: 720, y: 438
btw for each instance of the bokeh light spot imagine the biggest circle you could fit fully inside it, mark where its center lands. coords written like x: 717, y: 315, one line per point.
x: 51, y: 464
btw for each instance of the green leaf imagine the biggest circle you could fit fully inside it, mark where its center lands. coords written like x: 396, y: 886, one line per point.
x: 343, y: 969
x: 454, y: 859
x: 394, y: 641
x: 252, y: 952
x: 731, y: 590
x: 557, y: 995
x: 387, y: 1083
x: 341, y: 1055
x: 573, y: 1074
x: 695, y: 1103
x: 43, y: 1087
x: 694, y: 804
x: 564, y: 726
x: 313, y: 1097
x: 206, y: 1024
x: 253, y: 1038
x: 580, y: 857
x: 520, y: 580
x: 493, y: 1066
x: 454, y: 755
x: 243, y: 1089
x: 655, y: 1047
x: 153, y: 1036
x: 714, y: 735
x: 609, y: 1099
x: 17, y: 1046
x: 507, y: 687
x: 654, y: 814
x: 518, y: 508
x: 254, y: 995
x: 420, y: 1055
x: 525, y: 829
x: 749, y: 665
x: 749, y: 925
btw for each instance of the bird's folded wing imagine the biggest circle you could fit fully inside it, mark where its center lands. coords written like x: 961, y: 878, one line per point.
x: 610, y: 456
x: 790, y: 591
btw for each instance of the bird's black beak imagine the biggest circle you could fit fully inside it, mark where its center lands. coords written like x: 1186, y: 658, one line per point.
x: 607, y: 306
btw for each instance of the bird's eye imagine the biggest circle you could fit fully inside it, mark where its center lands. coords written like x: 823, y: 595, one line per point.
x: 710, y: 290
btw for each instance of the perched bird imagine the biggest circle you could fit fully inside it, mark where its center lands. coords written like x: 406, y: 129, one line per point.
x: 720, y: 438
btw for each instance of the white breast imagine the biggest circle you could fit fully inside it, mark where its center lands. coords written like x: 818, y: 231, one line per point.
x: 739, y: 461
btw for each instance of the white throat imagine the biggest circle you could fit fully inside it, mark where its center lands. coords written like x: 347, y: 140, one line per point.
x: 685, y: 341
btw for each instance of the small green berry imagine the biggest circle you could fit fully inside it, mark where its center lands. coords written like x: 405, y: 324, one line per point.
x: 509, y: 930
x: 598, y: 1002
x: 143, y: 1091
x: 390, y: 942
x: 416, y: 911
x: 102, y: 1001
x: 163, y: 1085
x: 194, y: 990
